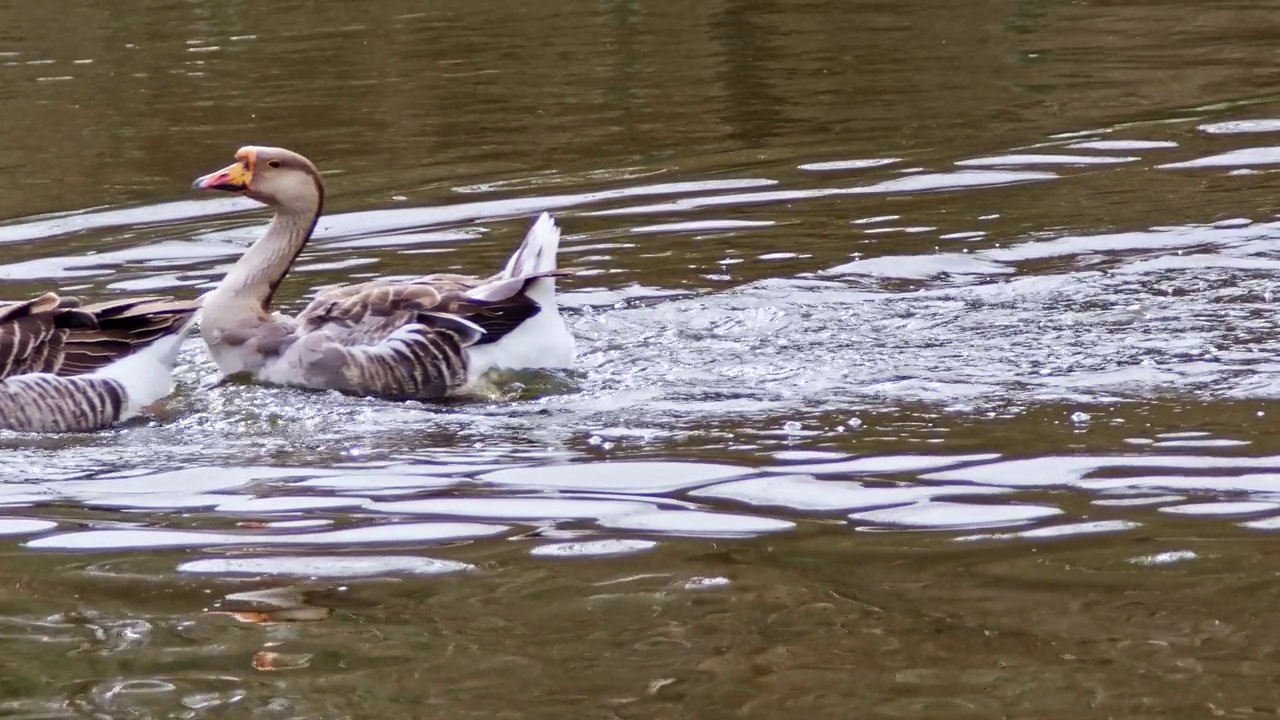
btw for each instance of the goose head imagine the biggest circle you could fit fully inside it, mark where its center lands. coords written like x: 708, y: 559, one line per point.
x: 271, y: 175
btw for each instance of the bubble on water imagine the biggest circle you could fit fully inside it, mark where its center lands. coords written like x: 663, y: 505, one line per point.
x: 853, y: 422
x: 595, y: 440
x: 792, y: 426
x: 705, y: 583
x: 1080, y: 418
x: 1164, y: 558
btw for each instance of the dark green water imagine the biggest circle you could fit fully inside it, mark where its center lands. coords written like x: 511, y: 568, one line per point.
x: 928, y: 357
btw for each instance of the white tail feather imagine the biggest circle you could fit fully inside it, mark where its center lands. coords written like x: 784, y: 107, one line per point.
x: 542, y: 341
x: 537, y: 254
x: 147, y: 374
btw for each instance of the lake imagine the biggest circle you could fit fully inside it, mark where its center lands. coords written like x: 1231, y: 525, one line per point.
x: 928, y: 357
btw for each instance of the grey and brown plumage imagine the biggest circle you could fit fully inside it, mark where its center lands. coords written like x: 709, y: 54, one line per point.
x: 68, y: 367
x: 423, y: 338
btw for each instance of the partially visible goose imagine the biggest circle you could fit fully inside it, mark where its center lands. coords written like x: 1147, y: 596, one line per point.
x: 421, y: 339
x: 71, y: 368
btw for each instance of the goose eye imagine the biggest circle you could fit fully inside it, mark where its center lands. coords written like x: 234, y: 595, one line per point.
x: 274, y: 163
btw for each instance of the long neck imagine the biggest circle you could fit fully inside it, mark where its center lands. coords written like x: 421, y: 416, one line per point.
x: 255, y: 277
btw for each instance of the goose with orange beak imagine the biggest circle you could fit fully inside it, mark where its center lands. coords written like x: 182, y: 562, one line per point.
x: 422, y: 339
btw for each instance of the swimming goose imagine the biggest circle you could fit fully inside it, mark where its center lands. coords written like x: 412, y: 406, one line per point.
x: 419, y: 339
x: 71, y: 368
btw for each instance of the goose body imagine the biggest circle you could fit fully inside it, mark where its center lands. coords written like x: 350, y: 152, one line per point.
x: 423, y: 338
x: 71, y: 368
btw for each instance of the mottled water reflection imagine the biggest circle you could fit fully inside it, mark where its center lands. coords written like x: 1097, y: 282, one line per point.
x: 927, y: 363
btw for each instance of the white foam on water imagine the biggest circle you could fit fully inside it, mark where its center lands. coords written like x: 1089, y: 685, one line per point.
x: 705, y: 583
x: 1165, y: 558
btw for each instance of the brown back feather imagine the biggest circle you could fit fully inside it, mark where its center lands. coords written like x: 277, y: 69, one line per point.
x: 58, y: 335
x: 406, y: 301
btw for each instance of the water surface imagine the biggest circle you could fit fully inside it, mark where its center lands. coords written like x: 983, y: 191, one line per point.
x: 927, y: 363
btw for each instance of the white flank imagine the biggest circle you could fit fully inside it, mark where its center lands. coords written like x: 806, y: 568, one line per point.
x: 542, y: 341
x: 147, y: 375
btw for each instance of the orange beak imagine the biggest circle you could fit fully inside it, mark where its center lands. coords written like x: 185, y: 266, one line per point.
x: 232, y: 178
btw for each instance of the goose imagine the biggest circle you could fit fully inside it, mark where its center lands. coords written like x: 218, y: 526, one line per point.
x: 65, y: 367
x: 424, y: 338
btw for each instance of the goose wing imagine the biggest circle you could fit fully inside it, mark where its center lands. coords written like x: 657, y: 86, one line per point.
x: 66, y: 367
x: 497, y: 305
x: 122, y: 327
x: 400, y: 339
x: 33, y: 332
x: 58, y: 335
